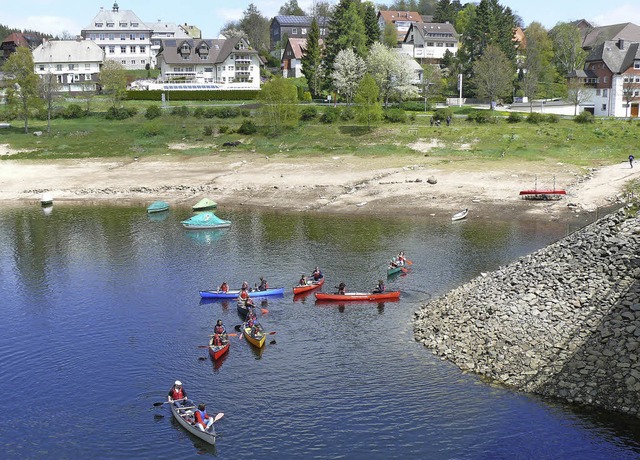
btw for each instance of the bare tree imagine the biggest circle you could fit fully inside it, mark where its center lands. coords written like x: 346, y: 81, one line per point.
x: 576, y: 93
x: 49, y: 87
x: 431, y: 82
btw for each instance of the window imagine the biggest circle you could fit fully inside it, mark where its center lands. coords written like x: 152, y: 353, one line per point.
x: 451, y: 45
x: 123, y: 50
x: 294, y: 31
x: 597, y: 92
x: 41, y: 67
x: 132, y: 36
x: 112, y: 49
x: 230, y: 67
x: 224, y: 68
x: 112, y: 37
x: 439, y: 45
x: 98, y: 24
x: 110, y: 24
x: 143, y: 49
x: 604, y: 92
x: 429, y: 43
x: 605, y: 79
x: 636, y: 65
x: 133, y: 61
x: 132, y: 49
x: 323, y: 31
x: 87, y: 67
x: 87, y: 77
x: 208, y: 69
x: 304, y: 31
x: 92, y: 36
x: 123, y: 36
x: 604, y: 107
x: 142, y: 36
x: 72, y: 66
x: 143, y: 61
x: 123, y: 62
x: 134, y: 24
x: 102, y: 36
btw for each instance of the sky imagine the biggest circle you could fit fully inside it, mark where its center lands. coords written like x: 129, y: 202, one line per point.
x: 57, y: 16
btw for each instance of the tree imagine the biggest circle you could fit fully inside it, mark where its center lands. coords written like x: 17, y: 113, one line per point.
x: 431, y: 82
x: 446, y: 11
x: 371, y: 27
x: 348, y: 70
x: 49, y: 87
x: 404, y: 78
x: 567, y: 48
x: 256, y: 28
x: 22, y: 83
x: 576, y: 93
x: 291, y: 8
x: 346, y: 31
x: 312, y: 59
x: 493, y: 74
x: 232, y: 29
x: 320, y: 9
x: 279, y: 104
x: 368, y: 107
x: 537, y: 67
x: 389, y: 36
x: 393, y: 73
x: 113, y: 80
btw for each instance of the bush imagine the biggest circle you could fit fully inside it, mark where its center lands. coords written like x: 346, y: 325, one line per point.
x: 151, y: 129
x: 552, y: 118
x: 223, y: 129
x: 120, y: 113
x: 347, y: 114
x: 72, y: 111
x: 330, y: 115
x: 514, y: 117
x: 153, y: 111
x: 308, y: 112
x: 442, y: 114
x: 198, y: 112
x: 207, y: 131
x: 227, y: 112
x: 248, y: 127
x: 414, y: 106
x: 481, y: 116
x: 245, y: 113
x: 180, y: 111
x: 395, y: 116
x: 535, y: 118
x: 306, y: 96
x: 584, y: 117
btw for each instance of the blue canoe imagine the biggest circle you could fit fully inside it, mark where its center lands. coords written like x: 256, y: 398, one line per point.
x: 235, y: 293
x: 204, y: 221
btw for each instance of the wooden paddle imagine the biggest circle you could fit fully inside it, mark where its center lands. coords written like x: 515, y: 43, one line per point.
x: 204, y: 346
x: 231, y: 335
x: 167, y: 402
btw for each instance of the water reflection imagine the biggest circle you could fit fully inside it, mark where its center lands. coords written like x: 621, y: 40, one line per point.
x: 205, y: 236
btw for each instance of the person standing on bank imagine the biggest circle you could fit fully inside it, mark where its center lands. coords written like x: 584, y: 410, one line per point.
x: 631, y: 158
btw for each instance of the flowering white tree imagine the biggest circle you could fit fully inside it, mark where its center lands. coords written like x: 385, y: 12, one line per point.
x: 405, y: 79
x: 393, y: 72
x: 348, y: 70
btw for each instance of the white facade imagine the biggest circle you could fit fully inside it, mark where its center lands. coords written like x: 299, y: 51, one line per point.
x: 123, y: 37
x: 76, y: 64
x: 161, y: 31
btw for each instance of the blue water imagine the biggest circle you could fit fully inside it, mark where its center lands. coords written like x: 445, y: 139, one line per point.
x: 101, y: 313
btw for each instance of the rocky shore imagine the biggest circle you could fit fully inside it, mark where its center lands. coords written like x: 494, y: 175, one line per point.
x: 562, y: 322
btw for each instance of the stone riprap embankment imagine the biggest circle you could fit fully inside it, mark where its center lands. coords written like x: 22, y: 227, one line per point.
x: 561, y: 322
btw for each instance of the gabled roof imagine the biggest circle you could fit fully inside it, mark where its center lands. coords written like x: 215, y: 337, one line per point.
x: 117, y: 17
x: 434, y: 31
x: 390, y: 17
x: 219, y: 50
x: 618, y: 56
x: 597, y: 35
x: 17, y: 39
x: 168, y: 28
x: 60, y: 51
x: 298, y: 46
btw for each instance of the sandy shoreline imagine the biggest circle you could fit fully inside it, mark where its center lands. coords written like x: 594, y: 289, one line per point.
x: 328, y: 184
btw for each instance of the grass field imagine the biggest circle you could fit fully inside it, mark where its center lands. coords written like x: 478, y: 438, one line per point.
x: 604, y: 141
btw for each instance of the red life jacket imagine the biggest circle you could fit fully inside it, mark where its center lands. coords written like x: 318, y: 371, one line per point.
x: 201, y: 416
x: 216, y: 340
x: 177, y: 394
x: 244, y: 295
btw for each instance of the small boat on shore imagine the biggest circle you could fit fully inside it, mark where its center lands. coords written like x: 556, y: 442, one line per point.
x: 460, y: 215
x: 184, y: 416
x: 204, y: 221
x: 204, y: 204
x: 236, y: 292
x: 311, y: 285
x: 158, y: 206
x: 366, y: 296
x: 256, y: 339
x: 46, y: 200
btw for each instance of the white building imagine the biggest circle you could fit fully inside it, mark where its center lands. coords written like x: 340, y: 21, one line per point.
x: 430, y: 40
x: 191, y: 64
x: 161, y: 31
x: 76, y: 64
x: 123, y: 37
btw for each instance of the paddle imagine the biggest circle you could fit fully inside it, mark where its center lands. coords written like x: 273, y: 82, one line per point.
x: 231, y: 335
x: 204, y: 346
x: 167, y: 402
x: 408, y: 262
x: 404, y: 270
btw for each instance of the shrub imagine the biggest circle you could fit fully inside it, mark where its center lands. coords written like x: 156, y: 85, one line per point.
x: 245, y: 113
x: 481, y: 116
x: 207, y: 131
x: 72, y: 111
x: 514, y: 117
x: 330, y: 115
x: 395, y: 116
x: 248, y: 127
x: 535, y: 118
x: 180, y: 111
x: 223, y: 129
x: 210, y: 112
x: 442, y: 114
x: 414, y: 106
x: 151, y: 129
x: 153, y: 111
x: 347, y: 114
x: 120, y: 113
x: 227, y: 112
x: 306, y: 96
x: 584, y: 117
x: 198, y: 112
x: 308, y: 112
x: 552, y: 118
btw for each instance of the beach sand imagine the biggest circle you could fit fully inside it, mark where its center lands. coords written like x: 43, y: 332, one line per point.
x: 408, y: 185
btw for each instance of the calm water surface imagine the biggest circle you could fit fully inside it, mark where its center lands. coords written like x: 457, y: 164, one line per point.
x: 101, y: 313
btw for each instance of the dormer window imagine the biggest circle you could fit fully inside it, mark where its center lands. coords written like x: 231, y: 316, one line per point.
x: 134, y: 24
x: 98, y: 24
x: 123, y: 24
x: 203, y: 51
x: 110, y: 24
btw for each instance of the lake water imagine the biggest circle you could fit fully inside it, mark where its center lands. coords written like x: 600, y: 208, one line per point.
x: 101, y: 313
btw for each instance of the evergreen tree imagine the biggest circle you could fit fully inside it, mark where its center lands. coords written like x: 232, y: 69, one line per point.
x: 346, y: 31
x: 426, y: 7
x: 371, y: 24
x: 291, y: 8
x: 256, y: 27
x: 443, y: 12
x: 312, y: 59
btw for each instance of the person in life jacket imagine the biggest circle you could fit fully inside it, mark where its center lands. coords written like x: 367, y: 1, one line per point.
x: 380, y: 287
x: 244, y: 297
x: 224, y: 287
x: 177, y: 395
x: 220, y: 331
x: 316, y: 274
x: 342, y: 288
x: 216, y: 341
x: 303, y: 280
x: 203, y: 420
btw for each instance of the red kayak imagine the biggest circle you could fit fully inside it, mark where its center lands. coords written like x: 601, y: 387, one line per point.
x: 358, y: 296
x: 310, y: 286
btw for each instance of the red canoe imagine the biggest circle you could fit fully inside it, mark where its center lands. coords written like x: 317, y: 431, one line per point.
x: 358, y: 296
x: 308, y: 287
x: 216, y: 352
